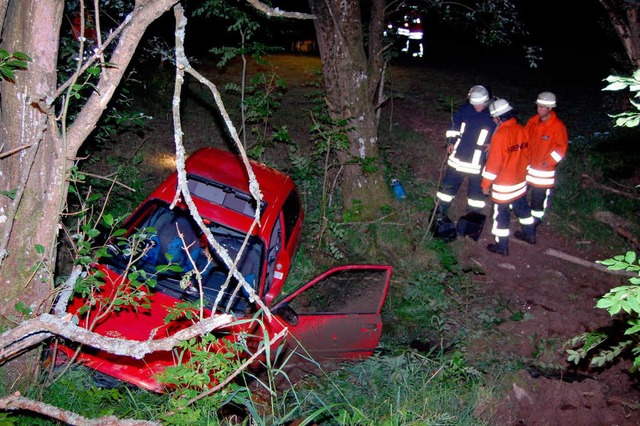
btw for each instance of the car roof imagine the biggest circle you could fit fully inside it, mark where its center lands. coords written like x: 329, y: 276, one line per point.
x: 228, y: 169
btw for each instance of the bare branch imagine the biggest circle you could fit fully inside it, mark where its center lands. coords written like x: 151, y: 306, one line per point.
x: 135, y: 25
x: 182, y: 66
x: 13, y: 151
x: 31, y: 332
x: 17, y: 402
x: 277, y: 12
x: 586, y: 263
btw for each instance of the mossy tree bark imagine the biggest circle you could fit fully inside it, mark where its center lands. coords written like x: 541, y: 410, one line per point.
x: 352, y: 72
x: 33, y: 180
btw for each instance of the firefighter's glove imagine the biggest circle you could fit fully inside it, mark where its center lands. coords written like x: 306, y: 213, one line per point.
x: 449, y: 148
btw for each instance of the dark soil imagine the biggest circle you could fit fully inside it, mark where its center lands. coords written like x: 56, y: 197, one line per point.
x: 552, y: 299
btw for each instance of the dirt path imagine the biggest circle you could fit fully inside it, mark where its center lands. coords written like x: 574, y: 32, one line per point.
x: 548, y: 301
x: 552, y: 300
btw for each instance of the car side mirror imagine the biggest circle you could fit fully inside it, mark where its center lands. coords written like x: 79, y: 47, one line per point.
x: 287, y: 313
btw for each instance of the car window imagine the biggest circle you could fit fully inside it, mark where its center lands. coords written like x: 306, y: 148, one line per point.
x: 223, y: 195
x: 167, y: 246
x: 275, y: 245
x: 291, y: 212
x: 348, y: 290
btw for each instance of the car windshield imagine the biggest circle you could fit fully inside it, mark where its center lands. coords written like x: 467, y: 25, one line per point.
x: 170, y: 233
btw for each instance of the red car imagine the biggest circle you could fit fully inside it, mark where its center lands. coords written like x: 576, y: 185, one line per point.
x: 335, y: 316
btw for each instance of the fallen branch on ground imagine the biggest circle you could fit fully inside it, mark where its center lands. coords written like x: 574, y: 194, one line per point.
x: 586, y: 263
x: 622, y: 226
x: 17, y: 402
x: 598, y: 185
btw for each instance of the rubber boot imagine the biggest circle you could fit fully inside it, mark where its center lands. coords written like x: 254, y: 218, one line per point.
x: 500, y: 247
x: 528, y: 234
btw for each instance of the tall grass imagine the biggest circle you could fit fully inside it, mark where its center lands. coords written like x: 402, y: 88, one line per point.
x: 421, y: 374
x: 407, y: 388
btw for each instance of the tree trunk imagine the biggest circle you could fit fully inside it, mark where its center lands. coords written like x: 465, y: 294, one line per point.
x: 625, y: 18
x: 33, y: 187
x: 36, y: 173
x: 351, y: 79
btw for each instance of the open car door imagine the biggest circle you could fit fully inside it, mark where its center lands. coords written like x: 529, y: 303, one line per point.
x: 337, y: 316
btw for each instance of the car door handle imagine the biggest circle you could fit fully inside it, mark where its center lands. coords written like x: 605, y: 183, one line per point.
x: 369, y: 327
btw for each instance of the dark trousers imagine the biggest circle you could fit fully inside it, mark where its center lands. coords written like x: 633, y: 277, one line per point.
x: 539, y: 201
x: 502, y: 217
x: 451, y: 183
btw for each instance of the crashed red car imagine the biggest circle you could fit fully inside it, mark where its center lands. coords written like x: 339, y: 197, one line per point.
x: 335, y: 316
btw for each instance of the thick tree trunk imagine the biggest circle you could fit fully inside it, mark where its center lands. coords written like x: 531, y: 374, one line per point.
x: 33, y: 184
x: 625, y: 18
x: 36, y: 173
x: 351, y: 81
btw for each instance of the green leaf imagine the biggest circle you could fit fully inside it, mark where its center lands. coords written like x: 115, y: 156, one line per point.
x: 619, y: 266
x: 615, y: 86
x: 119, y: 232
x: 11, y: 194
x: 633, y: 304
x: 93, y: 70
x: 16, y: 64
x: 604, y: 303
x: 22, y: 56
x: 7, y: 73
x: 39, y: 249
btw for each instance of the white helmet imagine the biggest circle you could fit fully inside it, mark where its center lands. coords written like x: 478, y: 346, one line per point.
x: 546, y: 99
x: 499, y: 107
x: 478, y: 95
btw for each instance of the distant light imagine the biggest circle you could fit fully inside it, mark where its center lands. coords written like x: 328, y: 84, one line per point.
x: 167, y: 162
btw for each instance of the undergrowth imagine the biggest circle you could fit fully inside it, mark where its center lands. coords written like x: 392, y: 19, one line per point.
x: 420, y: 374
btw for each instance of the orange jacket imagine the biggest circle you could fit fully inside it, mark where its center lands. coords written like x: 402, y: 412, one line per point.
x: 549, y: 143
x: 506, y: 168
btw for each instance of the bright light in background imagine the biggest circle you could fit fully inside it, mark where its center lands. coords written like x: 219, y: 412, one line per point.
x: 166, y: 162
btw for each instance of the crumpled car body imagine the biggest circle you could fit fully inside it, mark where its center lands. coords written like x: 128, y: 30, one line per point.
x: 335, y: 316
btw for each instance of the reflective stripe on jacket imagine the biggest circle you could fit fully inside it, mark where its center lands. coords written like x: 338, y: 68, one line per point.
x: 474, y: 130
x: 506, y: 168
x: 548, y: 143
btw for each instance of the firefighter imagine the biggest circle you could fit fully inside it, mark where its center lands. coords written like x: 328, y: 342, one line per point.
x: 505, y: 177
x: 468, y: 143
x: 548, y: 140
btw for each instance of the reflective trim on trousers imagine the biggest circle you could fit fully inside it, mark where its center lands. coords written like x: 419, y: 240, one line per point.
x: 540, y: 201
x: 537, y: 214
x: 527, y: 220
x: 444, y: 197
x: 500, y: 227
x: 476, y: 204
